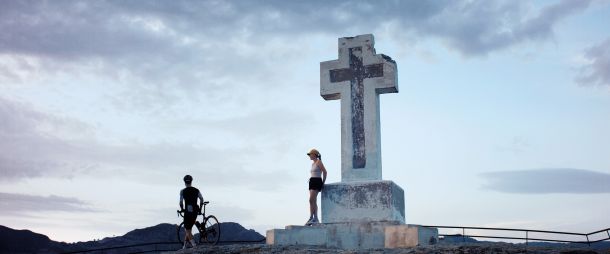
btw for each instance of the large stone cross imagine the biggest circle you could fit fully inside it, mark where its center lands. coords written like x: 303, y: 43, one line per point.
x: 357, y: 78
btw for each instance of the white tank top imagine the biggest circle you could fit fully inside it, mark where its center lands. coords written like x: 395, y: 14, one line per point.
x: 315, y: 170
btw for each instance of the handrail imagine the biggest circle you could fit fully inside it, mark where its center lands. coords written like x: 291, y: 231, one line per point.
x: 527, y: 231
x: 155, y: 243
x: 515, y: 229
x: 599, y: 231
x: 120, y: 247
x: 519, y: 238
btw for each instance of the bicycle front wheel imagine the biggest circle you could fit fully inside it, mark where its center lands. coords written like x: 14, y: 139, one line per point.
x: 180, y: 232
x: 211, y: 234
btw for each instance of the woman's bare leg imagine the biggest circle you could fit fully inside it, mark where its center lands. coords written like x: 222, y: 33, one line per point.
x: 313, y: 205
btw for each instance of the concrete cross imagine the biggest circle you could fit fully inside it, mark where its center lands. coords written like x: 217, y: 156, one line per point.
x: 357, y: 78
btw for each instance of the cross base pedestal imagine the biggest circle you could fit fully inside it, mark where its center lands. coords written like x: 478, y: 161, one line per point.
x: 354, y: 235
x: 366, y: 201
x: 358, y: 215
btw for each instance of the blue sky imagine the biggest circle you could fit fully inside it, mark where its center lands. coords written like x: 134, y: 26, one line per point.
x: 501, y: 119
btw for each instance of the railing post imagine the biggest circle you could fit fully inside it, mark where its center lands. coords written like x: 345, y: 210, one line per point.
x: 589, y: 243
x: 526, y: 237
x: 463, y: 235
x: 608, y: 232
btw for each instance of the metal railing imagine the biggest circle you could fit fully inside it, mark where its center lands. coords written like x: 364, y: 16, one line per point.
x: 527, y: 239
x: 527, y: 232
x: 155, y: 244
x: 129, y: 246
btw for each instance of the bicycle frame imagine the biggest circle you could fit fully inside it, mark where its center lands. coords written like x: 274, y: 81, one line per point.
x: 204, y: 232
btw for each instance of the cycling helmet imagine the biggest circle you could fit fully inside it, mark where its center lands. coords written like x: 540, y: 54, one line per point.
x: 188, y: 178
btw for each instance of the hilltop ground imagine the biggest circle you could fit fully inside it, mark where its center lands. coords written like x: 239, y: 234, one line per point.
x: 467, y: 248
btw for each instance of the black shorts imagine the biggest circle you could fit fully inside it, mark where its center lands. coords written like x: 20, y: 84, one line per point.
x: 315, y: 183
x: 189, y: 220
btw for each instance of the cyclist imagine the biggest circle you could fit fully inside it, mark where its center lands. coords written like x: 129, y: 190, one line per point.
x: 316, y: 183
x: 188, y: 205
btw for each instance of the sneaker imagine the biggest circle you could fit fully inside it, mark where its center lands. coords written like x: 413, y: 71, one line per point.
x: 314, y: 221
x: 308, y: 223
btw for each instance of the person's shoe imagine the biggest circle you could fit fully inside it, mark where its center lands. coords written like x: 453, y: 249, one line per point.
x: 184, y: 246
x: 308, y: 223
x: 314, y: 221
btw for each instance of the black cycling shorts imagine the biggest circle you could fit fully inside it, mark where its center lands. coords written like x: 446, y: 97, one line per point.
x: 189, y: 220
x: 315, y: 183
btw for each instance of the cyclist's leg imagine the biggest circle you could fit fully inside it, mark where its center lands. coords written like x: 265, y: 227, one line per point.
x: 189, y: 221
x: 189, y: 235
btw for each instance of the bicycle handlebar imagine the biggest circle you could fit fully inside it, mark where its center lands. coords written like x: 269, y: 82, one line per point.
x: 181, y: 212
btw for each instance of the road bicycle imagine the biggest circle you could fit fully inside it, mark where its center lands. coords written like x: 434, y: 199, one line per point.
x: 207, y: 231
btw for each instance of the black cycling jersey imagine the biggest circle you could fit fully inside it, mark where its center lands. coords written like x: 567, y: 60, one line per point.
x: 190, y: 195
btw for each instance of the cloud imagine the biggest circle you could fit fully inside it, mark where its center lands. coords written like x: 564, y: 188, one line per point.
x: 517, y: 145
x: 35, y: 144
x: 479, y: 28
x: 22, y: 204
x: 138, y: 28
x: 596, y: 71
x: 550, y: 180
x: 156, y: 54
x: 29, y: 145
x: 184, y: 42
x: 257, y: 126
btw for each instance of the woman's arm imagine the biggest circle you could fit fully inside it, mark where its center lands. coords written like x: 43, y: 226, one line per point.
x: 323, y: 169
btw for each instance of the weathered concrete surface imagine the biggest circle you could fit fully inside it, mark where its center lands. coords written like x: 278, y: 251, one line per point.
x: 479, y: 248
x: 403, y: 236
x: 363, y: 235
x: 354, y: 216
x: 340, y: 235
x: 294, y: 235
x: 357, y: 78
x: 363, y: 202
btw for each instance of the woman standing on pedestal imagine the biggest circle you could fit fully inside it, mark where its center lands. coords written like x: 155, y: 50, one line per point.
x: 316, y: 183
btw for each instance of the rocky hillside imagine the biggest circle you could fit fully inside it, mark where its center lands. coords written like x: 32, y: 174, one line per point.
x: 463, y: 248
x: 14, y: 241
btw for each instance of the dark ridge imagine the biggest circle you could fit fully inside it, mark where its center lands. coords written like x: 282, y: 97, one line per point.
x: 25, y: 241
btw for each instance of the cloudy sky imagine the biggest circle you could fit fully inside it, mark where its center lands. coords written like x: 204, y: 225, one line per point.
x: 502, y: 117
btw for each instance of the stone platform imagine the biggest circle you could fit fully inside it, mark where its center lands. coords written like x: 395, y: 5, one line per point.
x: 352, y: 235
x: 358, y: 215
x: 364, y: 201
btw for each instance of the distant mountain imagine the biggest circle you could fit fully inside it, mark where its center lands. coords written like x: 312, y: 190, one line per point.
x: 25, y: 241
x: 456, y: 239
x: 605, y: 245
x: 231, y: 231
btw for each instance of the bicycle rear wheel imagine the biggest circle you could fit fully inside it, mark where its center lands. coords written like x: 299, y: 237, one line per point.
x: 211, y: 232
x: 181, y: 233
